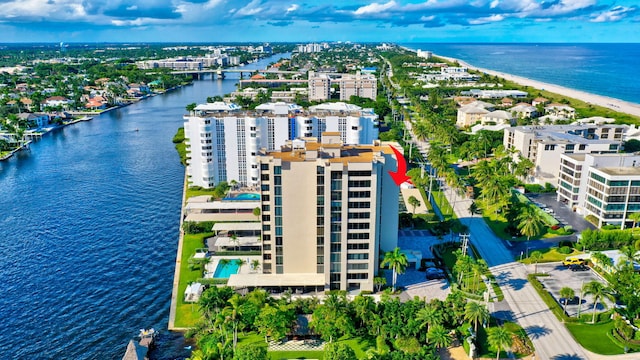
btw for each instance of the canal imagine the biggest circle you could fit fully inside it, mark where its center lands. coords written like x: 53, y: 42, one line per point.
x: 89, y: 222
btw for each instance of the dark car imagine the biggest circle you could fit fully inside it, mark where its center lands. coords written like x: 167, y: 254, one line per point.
x: 579, y: 267
x: 435, y: 273
x: 569, y: 301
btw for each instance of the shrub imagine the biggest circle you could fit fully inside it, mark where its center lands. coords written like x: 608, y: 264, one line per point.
x: 565, y: 250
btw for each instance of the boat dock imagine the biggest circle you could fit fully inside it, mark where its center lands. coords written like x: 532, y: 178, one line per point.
x: 138, y: 350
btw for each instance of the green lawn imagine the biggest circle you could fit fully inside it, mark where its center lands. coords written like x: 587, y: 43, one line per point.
x: 284, y: 355
x: 191, y: 192
x: 187, y: 314
x: 552, y: 255
x: 595, y: 338
x: 443, y: 204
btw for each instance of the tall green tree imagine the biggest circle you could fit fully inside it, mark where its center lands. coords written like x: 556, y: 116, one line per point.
x: 439, y: 336
x: 414, y: 202
x: 535, y: 257
x: 599, y: 292
x: 568, y: 294
x: 500, y: 339
x: 476, y: 313
x: 530, y: 223
x: 397, y: 261
x: 429, y: 316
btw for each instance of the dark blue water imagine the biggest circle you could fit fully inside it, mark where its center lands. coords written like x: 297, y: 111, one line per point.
x: 89, y: 223
x: 603, y: 69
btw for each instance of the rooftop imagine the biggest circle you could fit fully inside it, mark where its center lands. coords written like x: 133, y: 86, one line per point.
x: 621, y: 171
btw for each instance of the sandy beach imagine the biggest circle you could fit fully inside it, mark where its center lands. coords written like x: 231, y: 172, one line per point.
x: 607, y: 102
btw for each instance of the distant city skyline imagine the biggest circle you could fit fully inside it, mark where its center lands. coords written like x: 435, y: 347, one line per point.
x: 276, y: 20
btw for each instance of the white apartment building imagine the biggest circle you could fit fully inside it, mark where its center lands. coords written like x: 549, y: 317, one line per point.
x: 574, y: 174
x: 472, y: 113
x: 328, y: 211
x: 606, y: 186
x: 223, y: 140
x: 544, y: 145
x: 424, y: 54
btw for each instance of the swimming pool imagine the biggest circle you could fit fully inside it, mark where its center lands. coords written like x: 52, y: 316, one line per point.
x: 244, y: 197
x: 224, y: 271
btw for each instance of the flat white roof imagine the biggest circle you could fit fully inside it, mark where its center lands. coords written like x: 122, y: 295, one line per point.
x: 222, y: 205
x: 242, y: 241
x: 236, y: 226
x: 220, y: 217
x: 261, y: 280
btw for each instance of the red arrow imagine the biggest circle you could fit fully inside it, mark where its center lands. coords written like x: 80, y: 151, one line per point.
x: 399, y: 176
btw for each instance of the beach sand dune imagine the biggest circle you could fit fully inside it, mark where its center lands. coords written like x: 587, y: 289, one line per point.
x: 607, y: 102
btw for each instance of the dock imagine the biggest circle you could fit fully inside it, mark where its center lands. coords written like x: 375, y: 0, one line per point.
x: 138, y: 350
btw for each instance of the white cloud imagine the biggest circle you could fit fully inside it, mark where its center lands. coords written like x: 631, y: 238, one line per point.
x: 252, y: 8
x: 494, y: 4
x: 293, y: 8
x: 375, y: 8
x: 615, y: 14
x: 427, y: 18
x: 132, y: 7
x: 486, y: 20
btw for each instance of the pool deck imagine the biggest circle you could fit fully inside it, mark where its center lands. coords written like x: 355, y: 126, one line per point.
x: 210, y: 268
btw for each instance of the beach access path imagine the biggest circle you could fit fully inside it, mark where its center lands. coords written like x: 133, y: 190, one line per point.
x: 604, y: 101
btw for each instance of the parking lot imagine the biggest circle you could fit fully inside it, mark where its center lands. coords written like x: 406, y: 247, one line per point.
x: 561, y: 276
x: 561, y: 212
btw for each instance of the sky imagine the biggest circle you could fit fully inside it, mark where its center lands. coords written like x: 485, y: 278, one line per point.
x: 398, y: 21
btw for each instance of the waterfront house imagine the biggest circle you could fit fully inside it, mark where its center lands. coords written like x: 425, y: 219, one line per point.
x: 35, y: 120
x: 524, y: 111
x: 56, y: 101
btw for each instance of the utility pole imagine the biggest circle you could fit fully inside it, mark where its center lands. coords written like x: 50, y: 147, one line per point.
x: 465, y: 243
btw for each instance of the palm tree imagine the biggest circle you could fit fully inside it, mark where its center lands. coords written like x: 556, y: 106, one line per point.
x: 635, y: 217
x: 429, y: 316
x: 255, y: 264
x: 232, y: 314
x: 476, y: 313
x: 240, y: 262
x: 235, y: 241
x: 397, y: 261
x: 530, y: 223
x: 535, y: 257
x: 439, y: 336
x: 379, y: 282
x: 568, y: 294
x: 598, y: 291
x: 190, y: 108
x: 414, y: 202
x: 499, y: 338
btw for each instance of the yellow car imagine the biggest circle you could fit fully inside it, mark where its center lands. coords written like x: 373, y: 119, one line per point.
x: 573, y: 261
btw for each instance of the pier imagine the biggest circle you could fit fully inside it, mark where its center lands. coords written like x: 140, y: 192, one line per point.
x: 138, y: 350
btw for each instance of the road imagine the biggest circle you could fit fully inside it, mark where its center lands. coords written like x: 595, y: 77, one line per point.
x: 551, y: 339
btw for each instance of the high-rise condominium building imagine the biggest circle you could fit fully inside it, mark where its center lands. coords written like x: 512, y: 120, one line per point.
x: 362, y: 85
x: 328, y: 211
x: 223, y: 139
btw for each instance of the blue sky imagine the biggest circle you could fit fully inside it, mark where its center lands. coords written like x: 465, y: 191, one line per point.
x: 310, y: 20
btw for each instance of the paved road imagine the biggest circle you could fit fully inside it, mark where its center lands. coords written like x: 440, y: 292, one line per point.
x: 522, y: 303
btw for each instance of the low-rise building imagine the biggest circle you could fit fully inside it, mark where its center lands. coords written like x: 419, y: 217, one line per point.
x: 543, y: 145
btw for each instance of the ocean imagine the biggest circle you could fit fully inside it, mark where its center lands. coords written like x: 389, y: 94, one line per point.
x: 603, y: 69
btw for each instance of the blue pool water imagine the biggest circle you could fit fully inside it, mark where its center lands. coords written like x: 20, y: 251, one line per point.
x: 244, y: 197
x: 224, y: 271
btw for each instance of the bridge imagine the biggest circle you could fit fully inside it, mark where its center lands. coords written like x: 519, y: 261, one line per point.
x: 196, y: 74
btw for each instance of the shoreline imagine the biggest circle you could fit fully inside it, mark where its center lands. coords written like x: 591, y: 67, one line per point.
x: 89, y: 115
x: 176, y: 273
x: 610, y: 103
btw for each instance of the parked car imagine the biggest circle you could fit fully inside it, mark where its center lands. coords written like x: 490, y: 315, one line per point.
x: 569, y: 301
x: 578, y: 267
x: 572, y: 261
x: 435, y: 273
